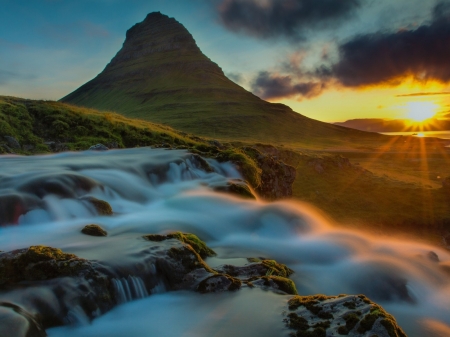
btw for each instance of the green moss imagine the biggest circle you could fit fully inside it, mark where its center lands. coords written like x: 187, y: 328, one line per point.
x: 198, y: 245
x: 297, y: 322
x: 283, y: 283
x: 309, y: 302
x: 277, y: 269
x: 94, y: 230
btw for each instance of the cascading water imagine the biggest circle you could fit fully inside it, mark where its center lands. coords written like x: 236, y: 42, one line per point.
x: 43, y: 202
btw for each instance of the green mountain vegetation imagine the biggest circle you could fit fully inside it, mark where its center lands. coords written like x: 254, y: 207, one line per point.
x: 160, y: 75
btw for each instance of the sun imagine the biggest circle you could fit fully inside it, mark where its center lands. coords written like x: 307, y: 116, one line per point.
x: 419, y: 111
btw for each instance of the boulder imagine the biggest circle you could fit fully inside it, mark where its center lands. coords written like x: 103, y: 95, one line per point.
x: 102, y: 207
x: 12, y: 142
x: 94, y: 230
x: 98, y: 147
x: 219, y: 283
x: 352, y: 315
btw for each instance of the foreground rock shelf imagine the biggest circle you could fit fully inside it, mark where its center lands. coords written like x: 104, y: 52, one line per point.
x: 43, y: 287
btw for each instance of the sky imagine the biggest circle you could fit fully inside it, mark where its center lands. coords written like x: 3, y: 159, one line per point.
x: 330, y: 60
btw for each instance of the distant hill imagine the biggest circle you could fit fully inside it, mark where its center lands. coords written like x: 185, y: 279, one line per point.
x: 395, y: 125
x: 160, y: 75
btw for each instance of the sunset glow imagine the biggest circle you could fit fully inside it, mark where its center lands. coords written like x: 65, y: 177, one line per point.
x: 419, y: 111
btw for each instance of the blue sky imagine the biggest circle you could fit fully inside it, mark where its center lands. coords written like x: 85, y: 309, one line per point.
x: 277, y: 49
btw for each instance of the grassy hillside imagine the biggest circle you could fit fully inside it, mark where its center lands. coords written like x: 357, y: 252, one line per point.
x: 161, y: 75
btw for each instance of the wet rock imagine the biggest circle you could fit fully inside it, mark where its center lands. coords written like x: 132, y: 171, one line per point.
x: 432, y: 256
x: 98, y: 147
x: 94, y: 230
x: 274, y: 283
x: 12, y: 142
x: 236, y: 187
x: 276, y: 176
x: 219, y: 283
x: 352, y: 315
x: 257, y: 267
x: 102, y: 207
x: 16, y: 322
x: 198, y: 245
x: 112, y: 145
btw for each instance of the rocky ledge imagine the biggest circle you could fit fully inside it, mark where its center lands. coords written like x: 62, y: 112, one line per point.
x: 42, y: 287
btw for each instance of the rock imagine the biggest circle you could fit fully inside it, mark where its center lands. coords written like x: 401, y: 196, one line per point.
x: 353, y: 315
x: 275, y: 283
x: 198, y: 245
x: 7, y: 149
x: 16, y: 322
x: 216, y: 143
x: 219, y: 283
x: 28, y: 147
x: 432, y: 256
x: 56, y: 146
x: 236, y: 187
x: 276, y: 177
x: 94, y: 230
x: 98, y: 147
x: 12, y: 142
x: 102, y: 207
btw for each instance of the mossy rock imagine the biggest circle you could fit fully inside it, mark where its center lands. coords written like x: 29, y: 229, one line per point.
x: 102, y: 207
x: 191, y: 239
x: 275, y: 282
x: 362, y: 317
x: 94, y: 230
x: 219, y: 283
x: 39, y: 263
x: 238, y: 188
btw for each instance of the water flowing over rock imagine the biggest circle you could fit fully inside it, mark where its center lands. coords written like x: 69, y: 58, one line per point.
x: 152, y: 268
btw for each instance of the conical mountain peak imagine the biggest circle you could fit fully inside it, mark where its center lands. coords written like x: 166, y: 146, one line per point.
x: 161, y: 75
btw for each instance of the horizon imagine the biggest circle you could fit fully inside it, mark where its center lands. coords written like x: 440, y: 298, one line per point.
x: 299, y: 57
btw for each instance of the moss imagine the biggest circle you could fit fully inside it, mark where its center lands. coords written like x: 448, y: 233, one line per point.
x: 350, y: 305
x: 309, y: 302
x: 247, y: 165
x: 284, y: 284
x: 277, y: 269
x: 367, y: 322
x: 297, y: 322
x: 94, y: 230
x: 198, y: 245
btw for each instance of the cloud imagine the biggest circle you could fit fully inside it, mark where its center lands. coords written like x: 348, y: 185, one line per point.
x: 7, y: 76
x: 389, y: 58
x: 287, y: 18
x: 425, y: 94
x: 273, y: 86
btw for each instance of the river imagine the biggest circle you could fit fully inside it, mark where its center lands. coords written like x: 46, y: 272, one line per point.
x: 156, y: 191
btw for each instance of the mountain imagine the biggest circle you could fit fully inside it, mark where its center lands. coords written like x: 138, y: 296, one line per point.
x: 161, y: 75
x: 395, y: 125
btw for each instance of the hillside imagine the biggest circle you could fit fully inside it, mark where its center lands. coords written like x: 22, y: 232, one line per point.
x: 160, y: 75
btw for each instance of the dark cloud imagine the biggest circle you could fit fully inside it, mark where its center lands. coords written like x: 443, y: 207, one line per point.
x: 388, y: 58
x: 273, y: 86
x: 289, y: 18
x: 425, y: 94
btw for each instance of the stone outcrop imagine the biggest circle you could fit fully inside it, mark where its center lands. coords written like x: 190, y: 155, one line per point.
x: 343, y: 315
x: 276, y: 176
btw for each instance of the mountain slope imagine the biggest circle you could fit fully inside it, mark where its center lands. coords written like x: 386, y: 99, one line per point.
x: 161, y: 75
